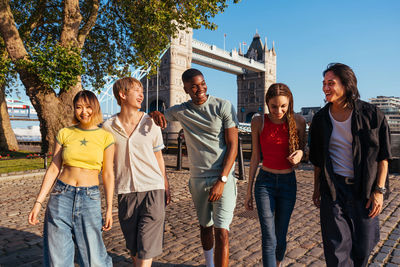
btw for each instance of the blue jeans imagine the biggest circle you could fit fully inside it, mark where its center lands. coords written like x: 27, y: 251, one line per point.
x: 275, y: 196
x: 73, y: 216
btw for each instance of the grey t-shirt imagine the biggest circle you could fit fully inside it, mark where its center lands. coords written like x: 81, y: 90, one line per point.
x: 204, y: 127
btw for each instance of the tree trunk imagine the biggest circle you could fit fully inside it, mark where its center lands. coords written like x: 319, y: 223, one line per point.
x: 7, y: 137
x: 53, y: 112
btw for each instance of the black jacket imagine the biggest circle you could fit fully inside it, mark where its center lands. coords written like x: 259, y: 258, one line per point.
x: 371, y: 144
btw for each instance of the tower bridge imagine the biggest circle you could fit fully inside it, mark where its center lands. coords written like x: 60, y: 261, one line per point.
x: 232, y: 62
x: 255, y: 71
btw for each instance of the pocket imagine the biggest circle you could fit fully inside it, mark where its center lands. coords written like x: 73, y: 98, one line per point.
x: 94, y: 195
x: 57, y: 190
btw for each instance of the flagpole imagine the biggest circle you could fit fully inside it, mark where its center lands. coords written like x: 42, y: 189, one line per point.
x: 224, y: 40
x: 157, y: 90
x: 147, y: 94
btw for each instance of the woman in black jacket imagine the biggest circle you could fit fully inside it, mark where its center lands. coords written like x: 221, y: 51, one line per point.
x: 349, y: 148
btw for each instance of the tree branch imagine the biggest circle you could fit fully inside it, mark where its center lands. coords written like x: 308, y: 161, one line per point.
x: 84, y: 31
x: 33, y: 21
x: 71, y: 21
x: 10, y: 34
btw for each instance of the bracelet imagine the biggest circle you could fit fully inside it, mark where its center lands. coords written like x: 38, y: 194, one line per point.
x: 39, y: 203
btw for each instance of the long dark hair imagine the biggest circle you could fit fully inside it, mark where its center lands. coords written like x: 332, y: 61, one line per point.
x: 281, y: 89
x: 348, y: 79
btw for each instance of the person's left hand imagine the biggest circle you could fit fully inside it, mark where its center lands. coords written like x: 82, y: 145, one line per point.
x: 108, y: 222
x: 216, y: 191
x: 295, y: 157
x: 376, y: 200
x: 167, y: 196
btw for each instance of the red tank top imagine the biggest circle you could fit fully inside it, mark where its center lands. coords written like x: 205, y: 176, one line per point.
x: 274, y: 140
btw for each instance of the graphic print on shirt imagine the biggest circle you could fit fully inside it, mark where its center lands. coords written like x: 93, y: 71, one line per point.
x: 83, y: 142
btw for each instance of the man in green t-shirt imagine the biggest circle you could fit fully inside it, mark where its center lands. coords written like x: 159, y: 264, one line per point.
x: 211, y: 135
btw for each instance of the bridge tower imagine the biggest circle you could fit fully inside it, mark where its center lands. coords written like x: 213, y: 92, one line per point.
x: 252, y: 86
x: 175, y: 61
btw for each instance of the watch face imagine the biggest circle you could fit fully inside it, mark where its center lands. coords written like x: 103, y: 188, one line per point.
x: 381, y: 190
x: 224, y: 179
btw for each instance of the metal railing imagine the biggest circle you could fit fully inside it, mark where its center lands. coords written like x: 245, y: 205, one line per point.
x: 240, y: 158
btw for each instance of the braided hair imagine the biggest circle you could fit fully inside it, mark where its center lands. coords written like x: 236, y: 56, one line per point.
x: 280, y: 89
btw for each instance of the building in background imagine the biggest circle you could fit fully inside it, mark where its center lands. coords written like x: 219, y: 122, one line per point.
x: 390, y: 105
x: 308, y: 113
x: 252, y: 86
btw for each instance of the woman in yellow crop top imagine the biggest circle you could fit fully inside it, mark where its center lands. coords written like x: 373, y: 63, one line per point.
x: 73, y: 215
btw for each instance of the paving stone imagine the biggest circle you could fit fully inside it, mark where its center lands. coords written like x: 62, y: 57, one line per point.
x: 386, y: 249
x: 390, y: 243
x: 395, y: 260
x: 394, y: 237
x: 396, y: 252
x: 22, y: 244
x: 316, y: 252
x: 317, y: 263
x: 381, y: 257
x: 296, y: 253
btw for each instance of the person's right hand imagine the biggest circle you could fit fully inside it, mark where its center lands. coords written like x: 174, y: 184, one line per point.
x: 108, y: 222
x: 316, y: 197
x: 158, y: 118
x: 32, y: 218
x: 248, y: 203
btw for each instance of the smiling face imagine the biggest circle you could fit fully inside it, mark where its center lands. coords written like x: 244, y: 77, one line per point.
x: 133, y: 97
x: 197, y: 89
x: 333, y: 88
x: 278, y: 107
x: 83, y: 112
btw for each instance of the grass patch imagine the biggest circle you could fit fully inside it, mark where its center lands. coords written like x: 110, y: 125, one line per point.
x: 15, y: 161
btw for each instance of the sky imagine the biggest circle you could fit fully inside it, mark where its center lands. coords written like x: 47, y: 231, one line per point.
x: 308, y: 35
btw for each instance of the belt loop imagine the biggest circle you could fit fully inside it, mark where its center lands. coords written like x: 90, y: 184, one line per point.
x: 66, y: 186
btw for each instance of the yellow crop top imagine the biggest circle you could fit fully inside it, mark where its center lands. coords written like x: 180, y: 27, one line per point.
x: 84, y: 148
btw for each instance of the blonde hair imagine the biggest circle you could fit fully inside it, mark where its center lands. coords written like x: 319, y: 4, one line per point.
x: 280, y: 89
x: 124, y: 85
x: 91, y: 99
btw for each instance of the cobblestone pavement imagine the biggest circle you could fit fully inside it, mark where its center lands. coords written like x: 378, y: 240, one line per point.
x: 21, y: 244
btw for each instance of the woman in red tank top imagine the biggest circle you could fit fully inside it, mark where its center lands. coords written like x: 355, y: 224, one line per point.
x: 280, y: 136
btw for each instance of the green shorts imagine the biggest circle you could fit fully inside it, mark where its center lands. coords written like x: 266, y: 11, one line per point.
x: 218, y: 213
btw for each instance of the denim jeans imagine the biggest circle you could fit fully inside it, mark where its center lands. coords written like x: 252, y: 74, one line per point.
x: 275, y: 196
x: 73, y: 216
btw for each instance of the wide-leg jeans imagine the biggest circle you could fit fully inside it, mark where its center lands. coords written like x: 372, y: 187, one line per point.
x: 275, y: 196
x: 73, y: 216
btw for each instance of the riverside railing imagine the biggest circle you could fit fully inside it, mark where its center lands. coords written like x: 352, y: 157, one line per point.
x: 240, y: 158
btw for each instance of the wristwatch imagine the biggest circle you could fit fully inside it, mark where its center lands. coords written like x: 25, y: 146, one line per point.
x: 223, y: 179
x: 381, y: 190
